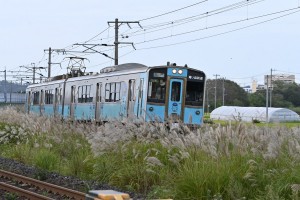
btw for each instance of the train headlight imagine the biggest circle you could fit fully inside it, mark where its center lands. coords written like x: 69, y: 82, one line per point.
x: 180, y: 71
x: 197, y: 112
x: 174, y: 71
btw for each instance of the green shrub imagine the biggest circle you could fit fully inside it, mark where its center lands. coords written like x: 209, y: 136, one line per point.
x: 255, y: 121
x: 46, y: 159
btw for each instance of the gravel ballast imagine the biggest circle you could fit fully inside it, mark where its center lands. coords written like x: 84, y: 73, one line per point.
x: 55, y: 178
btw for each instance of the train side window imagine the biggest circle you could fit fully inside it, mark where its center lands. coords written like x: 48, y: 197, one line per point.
x: 117, y: 91
x: 58, y: 96
x: 48, y: 96
x: 107, y: 92
x: 29, y: 98
x: 42, y: 97
x: 73, y: 94
x: 131, y: 90
x: 89, y: 97
x: 112, y: 92
x: 36, y: 98
x: 98, y: 92
x: 84, y: 94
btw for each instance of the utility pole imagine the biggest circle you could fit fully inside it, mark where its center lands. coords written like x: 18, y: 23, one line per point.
x: 49, y: 62
x: 116, y: 43
x: 10, y: 91
x: 33, y: 77
x: 267, y: 99
x: 49, y: 58
x: 5, y: 92
x: 271, y: 87
x: 216, y: 75
x: 34, y: 68
x: 223, y: 92
x: 5, y: 97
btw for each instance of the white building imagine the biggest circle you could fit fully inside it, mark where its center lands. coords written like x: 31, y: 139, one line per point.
x: 286, y: 78
x: 248, y: 114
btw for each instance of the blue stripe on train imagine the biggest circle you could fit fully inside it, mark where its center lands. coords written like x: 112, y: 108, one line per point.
x: 193, y: 115
x: 111, y: 111
x: 84, y: 111
x: 155, y: 112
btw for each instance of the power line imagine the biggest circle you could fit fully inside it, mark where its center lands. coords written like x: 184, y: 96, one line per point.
x: 217, y: 26
x: 288, y: 72
x: 203, y: 15
x: 172, y: 11
x: 223, y: 33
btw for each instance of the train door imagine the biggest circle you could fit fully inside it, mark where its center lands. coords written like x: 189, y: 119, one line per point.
x: 72, y: 103
x: 131, y: 98
x: 140, y: 99
x: 98, y: 101
x: 175, y: 99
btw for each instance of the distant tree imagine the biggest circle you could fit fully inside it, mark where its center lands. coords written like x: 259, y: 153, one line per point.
x: 286, y: 95
x: 234, y: 94
x: 257, y: 99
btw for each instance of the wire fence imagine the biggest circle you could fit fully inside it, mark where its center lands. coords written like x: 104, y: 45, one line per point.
x: 10, y: 98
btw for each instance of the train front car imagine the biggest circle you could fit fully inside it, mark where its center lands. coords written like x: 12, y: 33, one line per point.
x: 175, y: 93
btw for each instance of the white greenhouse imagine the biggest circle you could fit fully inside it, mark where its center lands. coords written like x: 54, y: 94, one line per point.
x: 248, y: 114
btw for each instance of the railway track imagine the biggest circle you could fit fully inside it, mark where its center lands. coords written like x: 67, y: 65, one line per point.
x: 34, y: 189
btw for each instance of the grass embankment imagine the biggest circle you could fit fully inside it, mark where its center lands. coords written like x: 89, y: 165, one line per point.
x: 214, y: 162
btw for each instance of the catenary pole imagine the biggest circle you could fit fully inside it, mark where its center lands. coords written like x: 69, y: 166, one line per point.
x: 116, y: 43
x: 216, y: 75
x: 267, y: 100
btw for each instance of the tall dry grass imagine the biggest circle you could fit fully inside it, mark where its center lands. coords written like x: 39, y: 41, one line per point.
x: 213, y: 162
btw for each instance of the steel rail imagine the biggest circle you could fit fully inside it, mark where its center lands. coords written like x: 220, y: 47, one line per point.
x: 22, y: 192
x: 43, y: 185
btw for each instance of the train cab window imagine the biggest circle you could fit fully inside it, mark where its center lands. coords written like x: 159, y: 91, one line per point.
x: 36, y: 98
x: 157, y: 85
x: 84, y: 94
x: 49, y: 96
x: 195, y: 89
x: 112, y: 92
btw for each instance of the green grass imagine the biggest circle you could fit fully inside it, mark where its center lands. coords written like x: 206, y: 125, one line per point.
x: 261, y: 124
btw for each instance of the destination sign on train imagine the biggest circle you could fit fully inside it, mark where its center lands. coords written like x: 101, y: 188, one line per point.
x: 196, y: 78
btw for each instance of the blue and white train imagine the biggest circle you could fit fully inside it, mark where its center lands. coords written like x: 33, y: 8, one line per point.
x: 124, y: 91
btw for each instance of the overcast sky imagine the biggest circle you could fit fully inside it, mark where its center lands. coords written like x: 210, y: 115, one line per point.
x: 241, y: 43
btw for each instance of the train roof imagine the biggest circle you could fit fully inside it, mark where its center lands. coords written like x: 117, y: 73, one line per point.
x: 111, y: 71
x: 125, y: 67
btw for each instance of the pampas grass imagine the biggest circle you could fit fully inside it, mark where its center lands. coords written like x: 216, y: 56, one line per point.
x: 233, y: 161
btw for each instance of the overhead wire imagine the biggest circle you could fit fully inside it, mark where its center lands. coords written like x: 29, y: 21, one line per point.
x: 166, y: 13
x: 219, y: 25
x: 190, y: 19
x: 222, y: 33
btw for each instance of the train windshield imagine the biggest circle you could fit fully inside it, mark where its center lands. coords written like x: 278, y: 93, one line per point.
x: 195, y: 88
x: 157, y: 85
